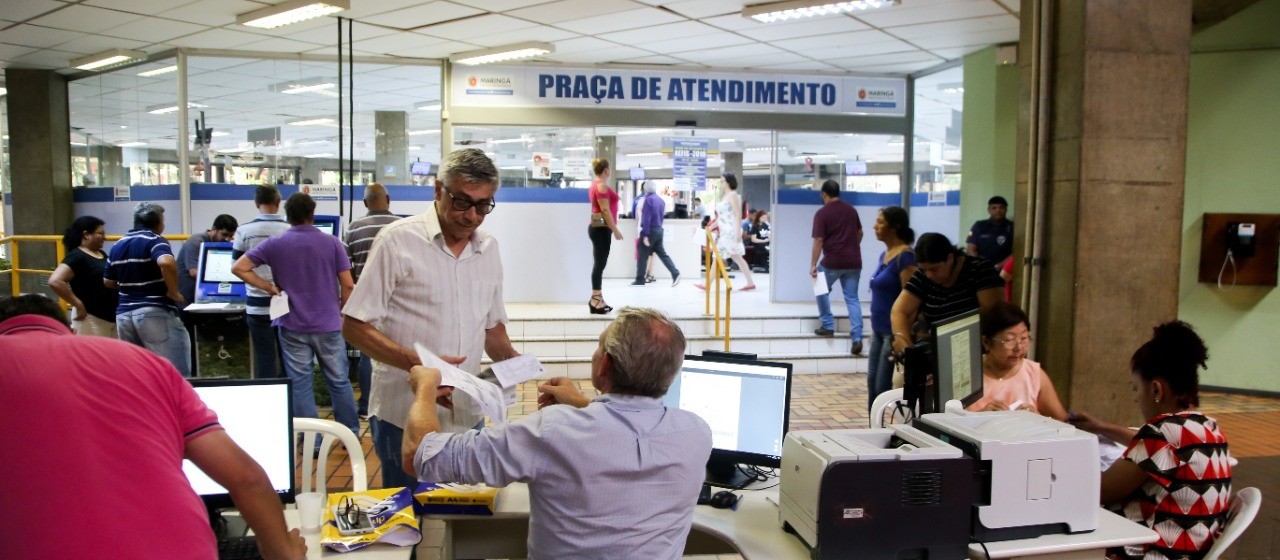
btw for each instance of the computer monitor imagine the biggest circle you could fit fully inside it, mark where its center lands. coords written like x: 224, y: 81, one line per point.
x: 255, y: 413
x: 215, y: 282
x: 328, y: 224
x: 420, y: 168
x: 637, y: 173
x: 958, y: 354
x: 747, y: 403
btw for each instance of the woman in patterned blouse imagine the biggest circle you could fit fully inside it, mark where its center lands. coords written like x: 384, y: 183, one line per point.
x: 1175, y: 475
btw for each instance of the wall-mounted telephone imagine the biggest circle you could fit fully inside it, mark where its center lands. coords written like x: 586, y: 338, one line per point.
x: 1240, y: 238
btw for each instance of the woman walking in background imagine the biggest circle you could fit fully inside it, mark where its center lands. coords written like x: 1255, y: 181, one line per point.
x: 604, y: 222
x: 78, y: 279
x: 728, y: 228
x: 896, y: 265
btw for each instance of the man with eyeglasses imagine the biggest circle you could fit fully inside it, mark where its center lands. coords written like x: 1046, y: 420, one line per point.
x: 435, y: 279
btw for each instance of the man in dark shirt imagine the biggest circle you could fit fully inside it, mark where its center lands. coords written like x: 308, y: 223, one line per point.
x: 224, y: 228
x: 837, y: 235
x: 992, y: 239
x: 651, y: 235
x: 141, y: 266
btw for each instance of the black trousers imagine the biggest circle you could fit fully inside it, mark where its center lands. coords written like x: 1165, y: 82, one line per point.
x: 601, y: 241
x: 654, y: 248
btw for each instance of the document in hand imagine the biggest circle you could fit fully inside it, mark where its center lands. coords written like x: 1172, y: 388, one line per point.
x: 279, y: 306
x: 820, y: 287
x: 487, y: 396
x: 510, y: 373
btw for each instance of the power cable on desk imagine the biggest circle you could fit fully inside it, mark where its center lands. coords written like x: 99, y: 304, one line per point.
x: 984, y: 548
x: 756, y: 473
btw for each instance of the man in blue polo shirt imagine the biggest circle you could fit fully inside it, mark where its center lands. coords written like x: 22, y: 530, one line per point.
x: 992, y: 239
x: 142, y: 267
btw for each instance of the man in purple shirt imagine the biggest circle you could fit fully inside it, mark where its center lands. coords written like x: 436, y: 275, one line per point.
x: 651, y: 236
x: 837, y: 235
x: 310, y: 266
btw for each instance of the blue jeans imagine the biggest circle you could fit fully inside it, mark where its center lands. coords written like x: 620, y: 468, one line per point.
x: 266, y: 351
x: 366, y: 383
x: 386, y: 445
x: 159, y: 330
x: 879, y: 370
x: 331, y: 351
x: 848, y: 279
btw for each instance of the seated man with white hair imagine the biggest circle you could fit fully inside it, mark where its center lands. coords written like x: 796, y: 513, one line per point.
x: 616, y: 476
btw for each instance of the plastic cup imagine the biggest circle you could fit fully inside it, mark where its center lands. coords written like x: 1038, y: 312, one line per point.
x: 309, y: 509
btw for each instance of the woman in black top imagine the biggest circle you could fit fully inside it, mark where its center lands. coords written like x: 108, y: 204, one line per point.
x: 78, y: 279
x: 946, y: 283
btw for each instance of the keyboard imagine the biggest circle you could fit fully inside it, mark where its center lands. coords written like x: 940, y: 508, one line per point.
x: 238, y: 548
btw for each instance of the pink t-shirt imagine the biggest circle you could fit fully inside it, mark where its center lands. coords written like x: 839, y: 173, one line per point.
x: 95, y: 429
x: 610, y: 194
x: 1023, y: 385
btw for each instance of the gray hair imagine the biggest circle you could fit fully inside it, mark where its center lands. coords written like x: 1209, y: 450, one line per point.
x: 647, y: 349
x: 148, y: 215
x: 651, y: 187
x: 470, y: 165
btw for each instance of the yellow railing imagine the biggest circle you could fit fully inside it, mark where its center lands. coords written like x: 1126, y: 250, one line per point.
x: 16, y: 272
x: 715, y: 272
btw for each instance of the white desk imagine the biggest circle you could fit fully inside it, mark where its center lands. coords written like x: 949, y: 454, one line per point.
x: 753, y: 531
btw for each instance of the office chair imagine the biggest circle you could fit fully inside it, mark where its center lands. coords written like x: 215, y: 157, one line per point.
x: 1245, y: 504
x: 330, y: 431
x: 883, y: 401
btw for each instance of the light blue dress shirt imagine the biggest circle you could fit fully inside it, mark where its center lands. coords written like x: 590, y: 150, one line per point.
x: 616, y: 479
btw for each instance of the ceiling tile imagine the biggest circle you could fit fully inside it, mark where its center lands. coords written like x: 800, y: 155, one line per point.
x: 600, y: 56
x: 774, y: 31
x: 22, y: 10
x: 897, y: 69
x: 859, y: 50
x: 399, y: 42
x: 46, y: 58
x: 852, y: 39
x: 967, y: 39
x: 539, y: 33
x: 37, y: 36
x: 704, y: 8
x: 738, y: 51
x: 90, y: 44
x: 682, y: 36
x: 328, y: 34
x: 428, y: 49
x: 280, y: 45
x: 907, y: 14
x: 331, y: 51
x: 567, y: 10
x: 954, y: 27
x: 883, y: 59
x: 212, y: 14
x: 361, y: 10
x: 154, y: 30
x: 499, y: 5
x: 463, y: 30
x: 582, y: 44
x: 1012, y: 5
x: 419, y: 16
x: 85, y: 19
x: 216, y: 39
x: 628, y: 20
x: 134, y: 6
x: 957, y: 52
x: 810, y: 65
x: 10, y: 52
x: 752, y: 61
x: 655, y: 59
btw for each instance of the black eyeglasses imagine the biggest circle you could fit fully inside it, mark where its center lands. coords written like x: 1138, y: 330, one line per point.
x: 350, y: 512
x: 462, y: 205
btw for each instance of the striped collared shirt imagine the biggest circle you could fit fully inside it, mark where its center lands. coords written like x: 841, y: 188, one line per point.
x: 248, y: 236
x: 414, y: 290
x: 133, y: 264
x: 359, y: 238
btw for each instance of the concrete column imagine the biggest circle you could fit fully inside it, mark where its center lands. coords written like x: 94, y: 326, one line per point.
x: 40, y: 164
x: 607, y: 148
x: 732, y: 164
x: 1113, y: 215
x: 391, y: 145
x: 111, y: 166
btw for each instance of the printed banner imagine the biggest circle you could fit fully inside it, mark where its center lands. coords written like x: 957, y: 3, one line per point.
x: 321, y: 192
x: 655, y: 89
x: 689, y: 160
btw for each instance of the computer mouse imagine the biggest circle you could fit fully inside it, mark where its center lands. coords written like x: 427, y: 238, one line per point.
x: 723, y: 500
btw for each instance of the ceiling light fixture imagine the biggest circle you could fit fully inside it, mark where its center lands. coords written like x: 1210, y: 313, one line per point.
x: 318, y: 155
x: 800, y: 9
x: 429, y: 106
x: 579, y: 149
x: 159, y: 71
x: 642, y: 131
x: 509, y: 140
x: 765, y: 148
x: 130, y: 144
x: 166, y: 108
x: 527, y: 49
x: 316, y: 88
x: 314, y: 122
x: 422, y: 132
x: 107, y: 59
x: 291, y: 12
x: 3, y: 91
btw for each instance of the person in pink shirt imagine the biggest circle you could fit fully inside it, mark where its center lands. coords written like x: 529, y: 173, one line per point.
x: 604, y: 222
x: 97, y: 430
x: 1009, y: 380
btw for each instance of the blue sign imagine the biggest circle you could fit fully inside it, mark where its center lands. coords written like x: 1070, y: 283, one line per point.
x: 689, y: 162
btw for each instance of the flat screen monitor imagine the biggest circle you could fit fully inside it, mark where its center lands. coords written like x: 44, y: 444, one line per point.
x: 216, y: 283
x: 420, y: 168
x: 746, y: 403
x: 329, y: 224
x: 637, y: 173
x: 255, y: 413
x: 958, y: 351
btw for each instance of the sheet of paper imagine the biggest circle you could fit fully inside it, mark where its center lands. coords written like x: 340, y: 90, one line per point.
x: 517, y: 370
x: 487, y: 396
x: 820, y: 287
x: 206, y: 306
x: 279, y: 306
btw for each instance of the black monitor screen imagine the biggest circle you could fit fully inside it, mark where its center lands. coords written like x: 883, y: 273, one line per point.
x: 746, y: 403
x: 216, y: 266
x: 959, y: 353
x: 256, y: 415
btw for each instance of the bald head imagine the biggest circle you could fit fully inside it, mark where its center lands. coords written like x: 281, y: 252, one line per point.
x: 376, y: 197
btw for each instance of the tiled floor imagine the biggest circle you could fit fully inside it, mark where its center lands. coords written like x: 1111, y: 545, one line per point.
x: 1252, y: 425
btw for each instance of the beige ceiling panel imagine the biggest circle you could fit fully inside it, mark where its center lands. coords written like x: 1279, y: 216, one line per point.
x: 45, y: 58
x: 567, y: 10
x: 154, y: 30
x: 859, y: 49
x: 909, y: 14
x: 969, y: 39
x: 328, y: 34
x: 500, y: 5
x: 600, y: 56
x: 803, y: 45
x: 148, y: 7
x: 956, y: 27
x: 85, y: 19
x: 622, y: 21
x: 420, y: 16
x: 90, y: 44
x: 463, y: 30
x: 212, y: 14
x: 539, y: 33
x: 22, y: 10
x: 217, y: 39
x: 428, y: 49
x: 679, y: 37
x: 697, y: 9
x: 36, y: 36
x: 280, y: 46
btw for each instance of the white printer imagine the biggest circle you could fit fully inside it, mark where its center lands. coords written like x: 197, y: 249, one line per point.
x: 891, y: 493
x: 1036, y: 475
